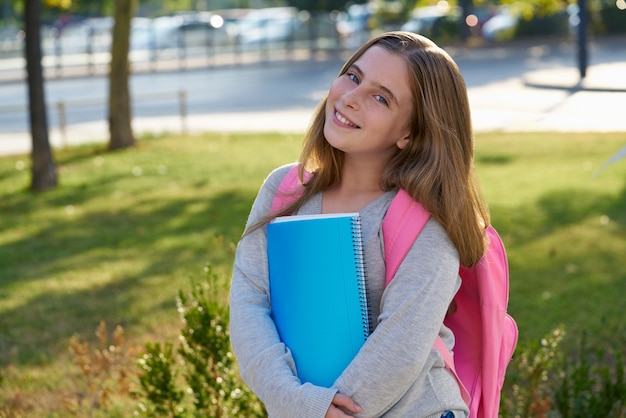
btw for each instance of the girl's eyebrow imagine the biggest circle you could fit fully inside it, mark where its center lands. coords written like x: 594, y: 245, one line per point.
x: 378, y: 85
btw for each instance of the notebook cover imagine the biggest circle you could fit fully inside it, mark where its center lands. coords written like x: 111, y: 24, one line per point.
x: 317, y: 291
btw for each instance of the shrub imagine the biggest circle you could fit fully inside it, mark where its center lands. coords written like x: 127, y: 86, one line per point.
x: 545, y: 382
x: 106, y: 372
x: 203, y: 362
x: 592, y: 385
x: 528, y: 393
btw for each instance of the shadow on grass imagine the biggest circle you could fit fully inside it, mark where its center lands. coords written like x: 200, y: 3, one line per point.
x: 499, y: 159
x: 557, y: 210
x: 566, y: 265
x: 179, y: 235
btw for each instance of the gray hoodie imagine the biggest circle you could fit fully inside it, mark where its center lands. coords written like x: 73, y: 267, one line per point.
x: 397, y: 372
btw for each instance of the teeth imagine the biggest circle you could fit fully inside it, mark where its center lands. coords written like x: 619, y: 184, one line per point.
x: 344, y: 120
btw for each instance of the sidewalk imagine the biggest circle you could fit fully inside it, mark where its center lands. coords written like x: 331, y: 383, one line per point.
x: 555, y: 100
x: 550, y: 99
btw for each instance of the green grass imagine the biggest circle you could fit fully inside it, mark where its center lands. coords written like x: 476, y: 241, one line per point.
x: 565, y: 229
x: 125, y: 231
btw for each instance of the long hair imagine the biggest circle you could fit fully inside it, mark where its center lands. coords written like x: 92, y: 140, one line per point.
x: 436, y: 167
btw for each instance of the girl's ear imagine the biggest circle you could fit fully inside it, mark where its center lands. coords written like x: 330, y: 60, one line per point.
x: 402, y: 143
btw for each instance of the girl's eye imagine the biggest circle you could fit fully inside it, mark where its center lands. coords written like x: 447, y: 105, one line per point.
x: 382, y: 100
x: 353, y: 77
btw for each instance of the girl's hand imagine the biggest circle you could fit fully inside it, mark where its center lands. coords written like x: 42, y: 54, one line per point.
x: 341, y: 403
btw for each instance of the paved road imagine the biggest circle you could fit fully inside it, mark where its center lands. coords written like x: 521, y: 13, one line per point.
x: 529, y: 86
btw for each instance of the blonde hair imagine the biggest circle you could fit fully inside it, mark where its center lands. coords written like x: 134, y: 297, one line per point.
x: 436, y: 167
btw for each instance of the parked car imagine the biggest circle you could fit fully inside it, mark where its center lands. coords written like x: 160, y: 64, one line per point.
x: 501, y: 26
x: 146, y: 33
x: 272, y: 24
x: 180, y: 30
x: 202, y: 29
x: 354, y: 24
x: 11, y: 37
x: 435, y: 22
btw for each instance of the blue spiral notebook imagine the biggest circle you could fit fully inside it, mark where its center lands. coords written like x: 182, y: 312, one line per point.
x: 317, y: 291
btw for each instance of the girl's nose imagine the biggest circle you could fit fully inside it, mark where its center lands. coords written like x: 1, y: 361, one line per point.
x: 351, y: 98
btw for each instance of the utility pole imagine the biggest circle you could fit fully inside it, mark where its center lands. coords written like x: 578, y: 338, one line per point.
x: 467, y: 7
x: 583, y: 16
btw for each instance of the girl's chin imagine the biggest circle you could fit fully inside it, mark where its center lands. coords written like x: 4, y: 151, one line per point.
x: 329, y: 136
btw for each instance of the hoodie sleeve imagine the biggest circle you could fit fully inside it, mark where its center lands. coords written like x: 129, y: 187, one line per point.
x: 399, y: 353
x: 265, y: 363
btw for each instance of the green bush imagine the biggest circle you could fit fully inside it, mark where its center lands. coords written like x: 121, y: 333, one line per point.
x: 203, y: 362
x: 158, y: 382
x: 549, y: 25
x: 613, y: 20
x: 592, y: 385
x: 545, y: 382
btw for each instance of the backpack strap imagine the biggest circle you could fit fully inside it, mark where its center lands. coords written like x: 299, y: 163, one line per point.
x: 289, y: 190
x: 403, y: 222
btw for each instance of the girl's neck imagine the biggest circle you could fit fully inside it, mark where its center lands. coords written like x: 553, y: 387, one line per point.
x: 359, y: 186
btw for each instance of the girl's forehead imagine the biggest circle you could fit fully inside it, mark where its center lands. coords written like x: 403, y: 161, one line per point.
x: 380, y: 62
x: 385, y: 68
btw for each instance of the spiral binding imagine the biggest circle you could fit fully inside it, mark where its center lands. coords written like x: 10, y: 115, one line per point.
x: 360, y: 270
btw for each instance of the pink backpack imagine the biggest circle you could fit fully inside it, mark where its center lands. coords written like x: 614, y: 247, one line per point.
x: 485, y: 334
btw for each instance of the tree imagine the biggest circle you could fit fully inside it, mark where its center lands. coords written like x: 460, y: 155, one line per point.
x: 120, y: 115
x: 44, y: 175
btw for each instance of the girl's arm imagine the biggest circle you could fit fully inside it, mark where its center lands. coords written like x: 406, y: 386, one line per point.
x: 266, y: 365
x: 395, y: 360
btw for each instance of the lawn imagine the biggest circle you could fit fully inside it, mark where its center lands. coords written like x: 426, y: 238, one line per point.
x: 124, y: 231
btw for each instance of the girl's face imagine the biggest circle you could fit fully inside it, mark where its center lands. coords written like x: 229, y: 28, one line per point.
x: 369, y: 107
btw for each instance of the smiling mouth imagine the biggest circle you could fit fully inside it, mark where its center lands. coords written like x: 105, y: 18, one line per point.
x: 344, y: 121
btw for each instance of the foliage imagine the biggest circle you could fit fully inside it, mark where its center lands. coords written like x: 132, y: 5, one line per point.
x: 545, y: 381
x: 552, y: 24
x: 529, y: 396
x: 61, y: 4
x: 158, y: 382
x: 593, y: 383
x: 208, y: 364
x: 538, y: 8
x: 608, y: 16
x: 106, y: 372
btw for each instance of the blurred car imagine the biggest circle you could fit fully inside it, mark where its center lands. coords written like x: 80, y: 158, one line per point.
x: 231, y: 18
x: 146, y: 33
x: 272, y: 24
x: 478, y: 17
x: 9, y: 35
x: 428, y: 21
x: 202, y: 29
x: 500, y: 26
x: 354, y: 24
x: 188, y: 29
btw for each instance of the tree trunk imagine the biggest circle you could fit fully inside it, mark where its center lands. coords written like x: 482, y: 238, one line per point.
x: 44, y: 174
x: 120, y: 115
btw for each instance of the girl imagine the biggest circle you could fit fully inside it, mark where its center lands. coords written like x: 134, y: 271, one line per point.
x: 397, y: 116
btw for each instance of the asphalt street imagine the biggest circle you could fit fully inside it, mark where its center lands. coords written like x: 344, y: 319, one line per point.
x: 525, y: 86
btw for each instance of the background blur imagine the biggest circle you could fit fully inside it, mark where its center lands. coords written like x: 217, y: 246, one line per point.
x: 78, y: 32
x: 218, y: 39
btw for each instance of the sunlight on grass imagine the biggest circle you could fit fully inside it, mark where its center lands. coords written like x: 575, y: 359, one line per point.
x: 534, y: 164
